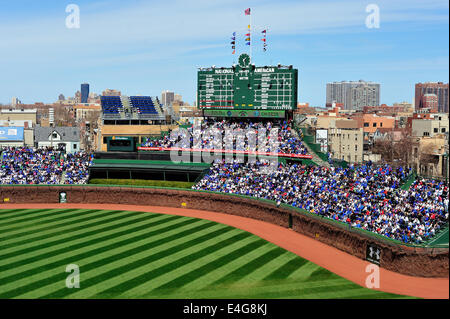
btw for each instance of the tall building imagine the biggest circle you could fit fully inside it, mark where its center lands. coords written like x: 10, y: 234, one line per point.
x: 438, y: 88
x: 84, y: 92
x: 61, y: 97
x: 430, y: 101
x: 354, y: 95
x: 167, y: 98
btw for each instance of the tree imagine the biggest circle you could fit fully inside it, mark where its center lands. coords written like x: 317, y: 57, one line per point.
x: 395, y: 152
x: 63, y: 116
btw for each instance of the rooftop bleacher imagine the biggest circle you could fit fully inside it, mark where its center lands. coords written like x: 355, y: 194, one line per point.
x: 111, y: 104
x: 131, y: 108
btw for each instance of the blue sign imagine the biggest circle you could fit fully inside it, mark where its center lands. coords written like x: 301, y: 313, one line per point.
x: 11, y: 133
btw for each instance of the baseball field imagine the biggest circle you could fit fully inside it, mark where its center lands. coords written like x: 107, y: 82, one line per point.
x: 130, y: 254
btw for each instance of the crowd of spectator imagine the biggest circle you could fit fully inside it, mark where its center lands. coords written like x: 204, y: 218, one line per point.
x: 364, y: 196
x: 28, y: 165
x: 214, y: 135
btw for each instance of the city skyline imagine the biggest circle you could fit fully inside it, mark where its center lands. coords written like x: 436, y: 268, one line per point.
x: 129, y: 48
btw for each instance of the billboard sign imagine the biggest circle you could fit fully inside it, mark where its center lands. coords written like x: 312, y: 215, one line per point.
x: 373, y: 254
x: 245, y: 86
x: 322, y: 140
x: 11, y: 133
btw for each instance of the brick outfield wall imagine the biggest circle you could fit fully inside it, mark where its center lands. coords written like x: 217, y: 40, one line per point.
x: 400, y: 259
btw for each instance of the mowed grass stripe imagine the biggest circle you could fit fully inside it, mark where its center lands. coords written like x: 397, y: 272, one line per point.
x: 285, y: 270
x: 249, y: 267
x: 87, y: 247
x: 48, y: 271
x: 246, y: 289
x: 55, y: 231
x: 66, y: 222
x: 330, y: 289
x: 151, y: 279
x: 304, y: 272
x: 40, y: 218
x: 199, y: 237
x: 105, y: 222
x: 6, y: 214
x: 141, y: 263
x: 321, y: 274
x: 97, y: 219
x: 106, y: 261
x: 217, y: 263
x: 114, y: 232
x: 213, y: 275
x: 50, y: 216
x: 259, y: 274
x: 68, y: 260
x: 323, y: 292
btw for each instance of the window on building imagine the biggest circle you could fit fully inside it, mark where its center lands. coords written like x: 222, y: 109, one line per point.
x: 435, y: 130
x: 356, y: 148
x: 426, y: 133
x: 366, y: 124
x: 374, y: 124
x: 74, y: 146
x: 381, y: 124
x: 443, y: 130
x: 104, y: 140
x: 54, y: 135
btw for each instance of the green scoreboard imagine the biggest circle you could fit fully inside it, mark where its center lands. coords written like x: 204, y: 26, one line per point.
x: 246, y: 87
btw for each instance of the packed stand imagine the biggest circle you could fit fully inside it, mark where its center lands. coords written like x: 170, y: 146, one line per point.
x: 27, y: 165
x: 203, y: 136
x: 365, y: 196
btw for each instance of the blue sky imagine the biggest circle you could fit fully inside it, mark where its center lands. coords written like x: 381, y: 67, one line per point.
x: 144, y: 47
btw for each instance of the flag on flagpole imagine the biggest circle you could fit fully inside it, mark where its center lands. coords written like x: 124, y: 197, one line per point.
x: 264, y: 40
x: 247, y: 12
x: 233, y: 43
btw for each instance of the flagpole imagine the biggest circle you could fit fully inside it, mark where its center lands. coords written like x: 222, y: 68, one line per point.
x: 250, y: 36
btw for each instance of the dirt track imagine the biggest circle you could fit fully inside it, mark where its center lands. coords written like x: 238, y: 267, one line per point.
x: 335, y: 260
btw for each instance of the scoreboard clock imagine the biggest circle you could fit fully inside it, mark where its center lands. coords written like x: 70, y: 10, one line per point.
x: 247, y: 87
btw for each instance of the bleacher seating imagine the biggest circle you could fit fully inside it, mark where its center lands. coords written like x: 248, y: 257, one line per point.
x: 111, y: 105
x: 143, y: 104
x: 131, y: 108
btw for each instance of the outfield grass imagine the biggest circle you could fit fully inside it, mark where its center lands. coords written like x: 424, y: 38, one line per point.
x: 123, y: 254
x: 141, y: 182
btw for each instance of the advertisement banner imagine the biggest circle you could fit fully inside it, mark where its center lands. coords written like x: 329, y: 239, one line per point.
x: 148, y: 148
x: 11, y: 133
x: 245, y: 113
